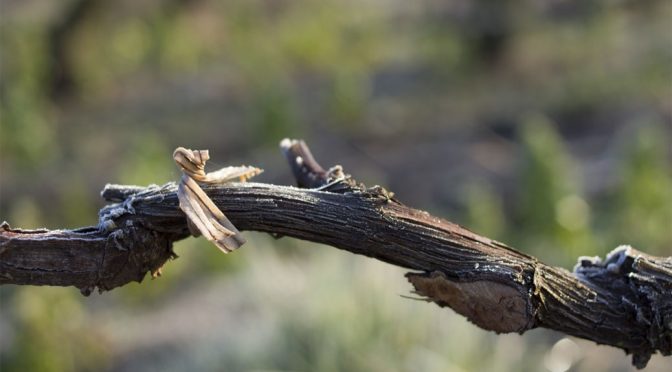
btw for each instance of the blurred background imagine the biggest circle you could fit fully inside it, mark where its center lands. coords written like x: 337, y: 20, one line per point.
x: 545, y: 124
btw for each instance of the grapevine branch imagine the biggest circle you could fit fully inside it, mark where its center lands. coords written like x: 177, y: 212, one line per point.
x: 623, y: 300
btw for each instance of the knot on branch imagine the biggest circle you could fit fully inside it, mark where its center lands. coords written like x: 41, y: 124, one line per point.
x: 203, y: 216
x: 644, y: 284
x: 130, y: 252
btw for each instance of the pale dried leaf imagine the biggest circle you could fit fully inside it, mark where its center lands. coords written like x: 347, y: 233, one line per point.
x: 203, y: 216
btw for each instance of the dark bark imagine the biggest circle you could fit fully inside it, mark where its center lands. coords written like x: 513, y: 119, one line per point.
x: 624, y: 301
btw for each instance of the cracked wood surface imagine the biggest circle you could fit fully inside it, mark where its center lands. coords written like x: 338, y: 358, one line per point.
x: 624, y: 300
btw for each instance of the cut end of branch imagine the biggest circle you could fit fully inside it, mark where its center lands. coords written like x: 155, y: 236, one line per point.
x: 309, y: 174
x: 307, y: 171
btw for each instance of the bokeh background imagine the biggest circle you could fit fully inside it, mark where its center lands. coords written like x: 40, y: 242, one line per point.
x: 545, y: 124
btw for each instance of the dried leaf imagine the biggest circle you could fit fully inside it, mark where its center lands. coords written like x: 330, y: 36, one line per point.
x: 203, y: 216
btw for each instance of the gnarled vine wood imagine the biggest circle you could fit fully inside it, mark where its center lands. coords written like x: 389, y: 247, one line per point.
x: 624, y: 300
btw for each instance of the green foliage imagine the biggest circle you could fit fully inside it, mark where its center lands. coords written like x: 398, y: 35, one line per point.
x: 52, y: 333
x: 155, y: 167
x: 550, y: 209
x: 485, y: 210
x: 642, y: 204
x: 272, y: 113
x: 23, y: 110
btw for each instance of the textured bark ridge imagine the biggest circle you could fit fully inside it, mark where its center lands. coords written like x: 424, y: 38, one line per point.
x: 624, y: 300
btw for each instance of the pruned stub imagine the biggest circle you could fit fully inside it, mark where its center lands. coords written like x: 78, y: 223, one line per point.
x: 490, y: 305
